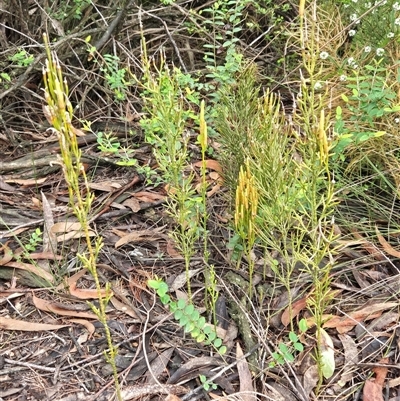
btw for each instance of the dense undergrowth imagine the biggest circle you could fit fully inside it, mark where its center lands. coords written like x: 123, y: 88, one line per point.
x: 309, y: 161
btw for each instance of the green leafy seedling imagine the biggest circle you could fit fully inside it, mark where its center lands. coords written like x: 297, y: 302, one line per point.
x: 207, y: 385
x: 188, y: 317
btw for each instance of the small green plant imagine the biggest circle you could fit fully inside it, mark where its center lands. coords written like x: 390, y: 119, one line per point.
x: 34, y: 240
x: 22, y: 58
x: 108, y: 143
x: 207, y: 384
x: 69, y: 10
x: 370, y: 101
x: 4, y: 77
x: 170, y: 112
x: 286, y: 351
x: 59, y: 112
x: 188, y: 317
x: 115, y: 76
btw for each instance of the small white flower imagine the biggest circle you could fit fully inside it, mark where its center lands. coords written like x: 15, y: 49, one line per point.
x: 380, y: 51
x: 397, y: 120
x: 368, y: 5
x: 323, y: 55
x: 397, y: 21
x: 354, y: 1
x: 343, y: 78
x: 350, y: 61
x: 353, y: 17
x: 346, y: 5
x: 367, y: 49
x: 396, y: 6
x: 355, y: 66
x: 352, y: 32
x: 318, y: 85
x: 390, y: 35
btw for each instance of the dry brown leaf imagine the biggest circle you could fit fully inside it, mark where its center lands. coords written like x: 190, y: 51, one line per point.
x: 65, y: 227
x: 119, y: 305
x: 394, y: 382
x: 369, y: 246
x: 105, y: 186
x: 28, y: 182
x: 172, y: 397
x: 386, y: 246
x: 88, y: 325
x: 133, y: 204
x: 372, y: 391
x: 350, y: 359
x: 310, y: 379
x: 181, y: 279
x: 213, y: 190
x: 210, y: 164
x: 87, y: 293
x: 73, y: 279
x: 14, y: 233
x: 215, y: 176
x: 77, y: 131
x: 292, y: 311
x: 381, y: 371
x: 172, y: 251
x: 49, y: 237
x: 137, y: 236
x: 149, y: 197
x: 245, y: 378
x: 158, y: 365
x: 33, y: 269
x: 8, y: 254
x: 48, y: 306
x: 344, y: 324
x: 13, y: 324
x: 74, y: 235
x: 45, y: 255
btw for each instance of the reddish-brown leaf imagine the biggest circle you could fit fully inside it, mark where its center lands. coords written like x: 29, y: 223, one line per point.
x: 13, y: 324
x: 293, y: 310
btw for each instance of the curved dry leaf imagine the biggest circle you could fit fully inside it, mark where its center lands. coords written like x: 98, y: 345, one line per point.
x: 13, y: 324
x: 8, y: 254
x: 33, y: 269
x: 148, y: 197
x: 133, y: 204
x: 142, y: 235
x: 88, y: 293
x: 345, y: 323
x: 158, y: 365
x: 350, y: 359
x: 88, y: 325
x: 65, y: 227
x: 372, y: 391
x: 293, y: 310
x: 310, y: 379
x: 60, y: 310
x: 128, y: 310
x: 245, y: 377
x: 386, y: 246
x: 210, y: 164
x: 181, y: 279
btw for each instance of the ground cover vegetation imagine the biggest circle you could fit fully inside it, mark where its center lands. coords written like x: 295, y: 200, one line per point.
x: 199, y: 200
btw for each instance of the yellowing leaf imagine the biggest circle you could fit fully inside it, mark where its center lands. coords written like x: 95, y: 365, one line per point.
x: 327, y: 353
